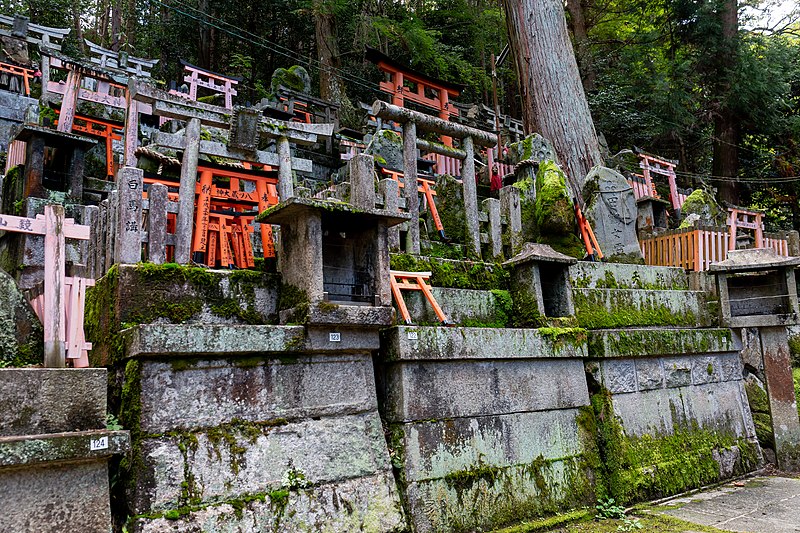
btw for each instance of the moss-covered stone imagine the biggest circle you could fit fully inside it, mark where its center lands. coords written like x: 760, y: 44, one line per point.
x: 295, y: 78
x: 703, y: 204
x: 454, y: 274
x: 450, y: 205
x: 21, y: 333
x: 651, y: 466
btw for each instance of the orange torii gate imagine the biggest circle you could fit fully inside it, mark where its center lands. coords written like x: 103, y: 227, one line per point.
x: 108, y: 131
x: 407, y: 84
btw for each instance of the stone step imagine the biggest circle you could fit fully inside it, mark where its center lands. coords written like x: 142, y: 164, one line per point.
x: 618, y: 308
x: 643, y: 342
x: 587, y: 275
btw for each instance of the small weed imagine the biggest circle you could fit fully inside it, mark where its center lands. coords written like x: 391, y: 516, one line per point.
x: 607, y: 509
x: 630, y: 524
x: 112, y: 423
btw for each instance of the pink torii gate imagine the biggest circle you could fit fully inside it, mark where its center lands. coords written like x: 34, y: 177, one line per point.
x: 61, y: 312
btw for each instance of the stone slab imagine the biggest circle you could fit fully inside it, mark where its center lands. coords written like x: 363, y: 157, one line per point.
x: 60, y: 447
x: 759, y: 505
x: 204, y: 393
x: 52, y: 400
x: 414, y: 343
x: 617, y: 308
x: 459, y: 305
x: 631, y: 342
x: 590, y: 275
x: 438, y: 448
x: 361, y: 504
x: 715, y: 406
x: 424, y: 391
x: 227, y: 462
x: 208, y: 339
x: 498, y: 498
x: 66, y: 497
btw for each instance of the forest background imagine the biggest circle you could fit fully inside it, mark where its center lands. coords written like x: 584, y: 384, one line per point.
x: 713, y: 84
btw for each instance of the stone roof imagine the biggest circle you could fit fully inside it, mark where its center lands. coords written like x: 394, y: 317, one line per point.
x: 539, y: 253
x: 753, y: 259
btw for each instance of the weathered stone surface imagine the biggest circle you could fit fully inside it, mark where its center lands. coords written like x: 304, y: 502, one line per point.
x: 677, y: 371
x: 619, y: 375
x: 387, y: 148
x: 459, y: 306
x: 436, y: 449
x: 702, y: 204
x: 52, y: 400
x: 705, y: 370
x: 295, y: 78
x: 56, y: 447
x: 646, y: 342
x: 615, y: 308
x: 423, y: 391
x: 197, y: 339
x: 649, y: 374
x: 499, y: 497
x: 411, y: 343
x: 70, y: 497
x: 20, y: 330
x: 204, y: 393
x: 730, y: 367
x: 534, y: 147
x: 611, y: 210
x: 363, y: 504
x: 716, y: 406
x: 224, y: 463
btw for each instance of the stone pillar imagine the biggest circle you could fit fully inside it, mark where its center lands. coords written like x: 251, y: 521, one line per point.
x: 69, y: 102
x: 131, y: 131
x: 75, y: 180
x: 782, y: 402
x: 510, y: 208
x: 285, y: 178
x: 491, y: 206
x: 410, y: 186
x: 473, y: 237
x: 390, y: 191
x: 793, y: 240
x: 185, y: 218
x: 128, y: 247
x: 301, y: 263
x: 362, y: 181
x: 34, y: 168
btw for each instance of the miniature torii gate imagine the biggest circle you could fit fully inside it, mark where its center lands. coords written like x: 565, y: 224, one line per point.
x: 109, y: 59
x: 41, y: 36
x: 213, y: 81
x: 413, y: 120
x: 246, y: 126
x: 656, y: 165
x: 62, y: 317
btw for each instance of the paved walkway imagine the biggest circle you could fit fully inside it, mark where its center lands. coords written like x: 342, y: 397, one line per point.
x: 757, y: 505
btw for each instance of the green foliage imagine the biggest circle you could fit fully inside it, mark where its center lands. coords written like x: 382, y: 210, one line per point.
x: 608, y: 508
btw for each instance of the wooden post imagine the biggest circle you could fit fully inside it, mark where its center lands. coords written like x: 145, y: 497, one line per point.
x: 200, y: 243
x: 88, y: 248
x: 410, y: 185
x: 157, y: 223
x: 185, y: 218
x: 470, y: 198
x: 128, y: 246
x: 54, y: 273
x: 69, y: 102
x: 285, y: 178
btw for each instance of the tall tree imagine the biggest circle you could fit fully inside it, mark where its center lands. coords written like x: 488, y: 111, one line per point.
x: 553, y: 97
x: 330, y: 82
x: 726, y: 123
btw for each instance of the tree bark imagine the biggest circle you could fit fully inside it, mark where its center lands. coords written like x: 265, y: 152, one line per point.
x: 330, y: 83
x: 554, y: 102
x: 205, y: 45
x: 726, y: 130
x: 582, y: 52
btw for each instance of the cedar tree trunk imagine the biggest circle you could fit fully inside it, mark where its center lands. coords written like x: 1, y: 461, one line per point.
x: 550, y: 84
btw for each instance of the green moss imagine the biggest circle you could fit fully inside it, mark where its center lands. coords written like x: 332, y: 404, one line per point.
x: 652, y: 466
x: 575, y: 337
x: 549, y: 523
x: 526, y: 311
x: 591, y: 311
x: 454, y: 274
x: 553, y: 212
x: 794, y: 350
x: 796, y: 376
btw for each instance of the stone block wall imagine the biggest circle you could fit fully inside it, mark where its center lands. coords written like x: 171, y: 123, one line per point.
x: 54, y: 450
x: 247, y: 429
x: 483, y: 424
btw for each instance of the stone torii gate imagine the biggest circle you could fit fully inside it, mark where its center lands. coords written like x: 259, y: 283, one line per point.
x: 413, y: 121
x: 246, y: 128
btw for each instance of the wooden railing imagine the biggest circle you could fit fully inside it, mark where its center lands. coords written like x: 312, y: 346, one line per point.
x: 696, y: 248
